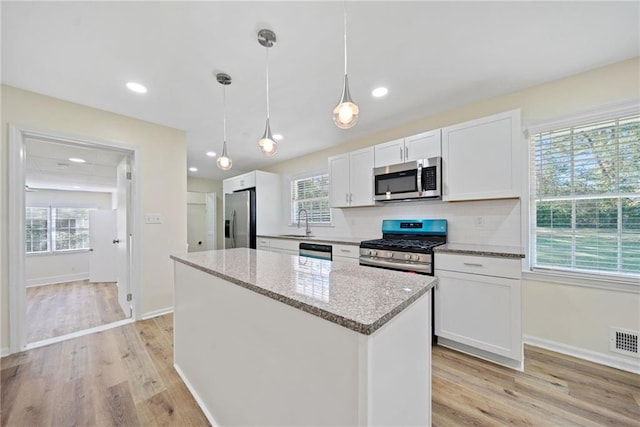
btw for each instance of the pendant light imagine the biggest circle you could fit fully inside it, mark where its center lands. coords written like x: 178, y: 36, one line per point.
x: 267, y: 144
x: 346, y: 113
x: 224, y: 161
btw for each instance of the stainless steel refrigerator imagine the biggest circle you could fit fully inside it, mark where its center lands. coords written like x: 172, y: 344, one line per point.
x: 240, y: 219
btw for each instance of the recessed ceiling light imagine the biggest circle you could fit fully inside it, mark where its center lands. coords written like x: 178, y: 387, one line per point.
x: 379, y: 91
x: 211, y: 153
x: 277, y: 136
x: 136, y: 87
x: 76, y: 160
x: 193, y: 169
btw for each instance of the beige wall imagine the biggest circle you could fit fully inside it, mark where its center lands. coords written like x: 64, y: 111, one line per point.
x: 160, y: 168
x: 565, y: 315
x: 203, y: 185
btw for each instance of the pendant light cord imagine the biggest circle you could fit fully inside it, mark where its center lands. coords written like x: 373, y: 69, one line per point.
x: 224, y: 113
x: 345, y: 36
x: 267, y: 83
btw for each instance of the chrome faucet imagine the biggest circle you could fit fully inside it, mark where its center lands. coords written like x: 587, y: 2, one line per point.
x: 306, y: 217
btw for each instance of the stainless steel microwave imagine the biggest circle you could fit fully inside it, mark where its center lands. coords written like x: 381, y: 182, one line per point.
x: 411, y: 180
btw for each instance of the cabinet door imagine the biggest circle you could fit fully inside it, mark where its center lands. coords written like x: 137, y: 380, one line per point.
x: 479, y: 311
x: 423, y: 145
x: 230, y: 185
x: 339, y: 181
x: 263, y: 244
x: 481, y: 158
x: 389, y: 153
x: 361, y: 177
x: 248, y: 180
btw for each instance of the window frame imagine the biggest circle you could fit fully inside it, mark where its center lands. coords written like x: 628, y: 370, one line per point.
x: 52, y: 230
x: 293, y: 220
x: 586, y: 278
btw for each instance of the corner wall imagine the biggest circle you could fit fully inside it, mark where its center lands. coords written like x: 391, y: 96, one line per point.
x: 580, y: 323
x: 160, y: 168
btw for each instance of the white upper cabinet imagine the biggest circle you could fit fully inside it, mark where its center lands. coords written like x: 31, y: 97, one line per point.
x: 240, y: 182
x: 389, y: 153
x: 421, y: 146
x: 351, y: 179
x: 481, y: 158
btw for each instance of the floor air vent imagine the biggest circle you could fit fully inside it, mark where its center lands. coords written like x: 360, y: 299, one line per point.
x: 624, y: 341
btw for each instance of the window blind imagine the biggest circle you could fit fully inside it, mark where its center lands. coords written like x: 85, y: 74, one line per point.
x: 311, y: 194
x: 586, y: 197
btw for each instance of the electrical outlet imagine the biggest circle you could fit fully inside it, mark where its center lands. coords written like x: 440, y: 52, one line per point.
x: 152, y: 218
x: 479, y: 221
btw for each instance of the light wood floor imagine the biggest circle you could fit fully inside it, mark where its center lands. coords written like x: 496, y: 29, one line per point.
x: 125, y: 376
x: 55, y: 310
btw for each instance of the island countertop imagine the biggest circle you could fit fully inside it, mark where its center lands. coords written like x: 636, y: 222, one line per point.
x: 357, y: 297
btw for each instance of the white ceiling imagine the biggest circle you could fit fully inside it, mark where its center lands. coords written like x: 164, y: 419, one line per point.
x: 48, y: 167
x: 433, y: 56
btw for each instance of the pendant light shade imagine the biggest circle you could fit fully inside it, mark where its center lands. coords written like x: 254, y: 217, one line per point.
x: 267, y: 144
x: 224, y: 161
x: 346, y: 113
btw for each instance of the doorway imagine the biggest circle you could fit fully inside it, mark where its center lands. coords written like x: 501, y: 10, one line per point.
x: 71, y: 263
x: 201, y: 221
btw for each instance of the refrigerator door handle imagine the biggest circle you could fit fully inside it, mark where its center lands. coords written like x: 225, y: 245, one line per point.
x: 233, y: 230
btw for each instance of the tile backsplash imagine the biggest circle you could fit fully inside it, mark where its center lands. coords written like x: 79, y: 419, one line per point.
x: 493, y: 222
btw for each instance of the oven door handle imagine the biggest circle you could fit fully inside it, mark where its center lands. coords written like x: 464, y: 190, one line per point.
x: 421, y: 267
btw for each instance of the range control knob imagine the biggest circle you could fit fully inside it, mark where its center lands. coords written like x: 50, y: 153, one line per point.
x: 373, y: 252
x: 408, y: 257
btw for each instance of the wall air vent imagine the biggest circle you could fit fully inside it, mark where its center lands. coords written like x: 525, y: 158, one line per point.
x: 624, y: 341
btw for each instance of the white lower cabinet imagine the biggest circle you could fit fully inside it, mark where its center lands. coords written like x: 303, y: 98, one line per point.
x: 262, y: 243
x: 478, y: 303
x: 346, y: 253
x: 284, y: 246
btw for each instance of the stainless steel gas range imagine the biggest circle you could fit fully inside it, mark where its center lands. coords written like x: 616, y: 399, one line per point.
x: 406, y: 245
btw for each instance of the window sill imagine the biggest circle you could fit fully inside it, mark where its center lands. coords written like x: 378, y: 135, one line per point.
x: 71, y: 251
x: 598, y: 281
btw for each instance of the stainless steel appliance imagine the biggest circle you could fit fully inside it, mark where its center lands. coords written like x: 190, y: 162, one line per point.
x: 315, y: 250
x: 406, y: 245
x: 417, y: 179
x: 240, y: 219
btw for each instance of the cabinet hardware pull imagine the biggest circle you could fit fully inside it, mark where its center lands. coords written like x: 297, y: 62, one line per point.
x: 473, y: 264
x: 406, y: 154
x: 345, y: 250
x: 401, y: 154
x: 346, y: 197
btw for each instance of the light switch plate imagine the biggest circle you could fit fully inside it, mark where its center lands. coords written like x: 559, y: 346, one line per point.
x: 152, y: 218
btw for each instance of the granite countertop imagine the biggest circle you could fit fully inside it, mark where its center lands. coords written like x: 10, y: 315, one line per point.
x: 481, y: 250
x: 357, y: 297
x: 324, y: 239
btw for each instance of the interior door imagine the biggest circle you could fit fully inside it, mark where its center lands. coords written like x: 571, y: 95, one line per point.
x: 196, y: 222
x: 103, y: 258
x: 123, y: 239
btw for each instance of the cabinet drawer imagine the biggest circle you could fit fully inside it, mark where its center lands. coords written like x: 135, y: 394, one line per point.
x: 346, y: 251
x: 263, y: 243
x: 488, y: 266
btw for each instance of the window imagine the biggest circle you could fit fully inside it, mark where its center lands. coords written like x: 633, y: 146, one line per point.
x: 37, y: 230
x: 586, y: 197
x: 311, y: 194
x: 56, y: 229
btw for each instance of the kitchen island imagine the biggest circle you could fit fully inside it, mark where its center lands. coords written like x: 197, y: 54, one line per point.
x: 262, y: 338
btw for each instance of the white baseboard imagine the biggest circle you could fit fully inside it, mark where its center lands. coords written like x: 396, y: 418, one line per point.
x: 617, y: 362
x: 52, y: 280
x: 482, y: 354
x: 197, y: 398
x: 156, y: 313
x: 4, y: 351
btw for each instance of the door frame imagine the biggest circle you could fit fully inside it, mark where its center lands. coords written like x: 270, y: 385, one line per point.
x: 16, y: 212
